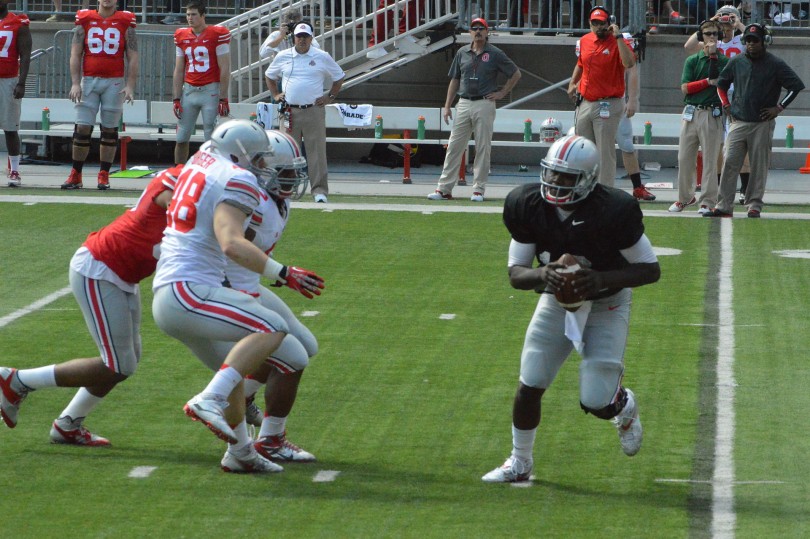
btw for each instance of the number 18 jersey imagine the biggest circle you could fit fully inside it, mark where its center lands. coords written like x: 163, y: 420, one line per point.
x: 190, y: 250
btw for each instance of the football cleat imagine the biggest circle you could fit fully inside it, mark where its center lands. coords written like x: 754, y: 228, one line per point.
x: 74, y: 181
x: 438, y: 195
x: 641, y: 193
x: 279, y: 448
x: 14, y: 179
x: 103, y: 180
x: 253, y: 414
x: 247, y: 460
x: 209, y: 410
x: 514, y: 470
x: 703, y: 210
x: 477, y: 197
x: 628, y: 425
x: 72, y: 432
x: 12, y: 393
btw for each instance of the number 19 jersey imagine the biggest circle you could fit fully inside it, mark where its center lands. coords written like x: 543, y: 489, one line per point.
x: 201, y: 51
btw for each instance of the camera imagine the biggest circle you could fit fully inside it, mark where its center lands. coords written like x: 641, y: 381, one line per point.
x: 725, y: 19
x: 290, y: 27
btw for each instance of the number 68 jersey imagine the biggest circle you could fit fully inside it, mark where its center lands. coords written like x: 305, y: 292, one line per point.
x: 104, y: 42
x: 190, y: 250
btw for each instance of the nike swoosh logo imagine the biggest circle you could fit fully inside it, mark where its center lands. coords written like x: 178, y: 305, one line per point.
x: 613, y: 307
x: 575, y: 223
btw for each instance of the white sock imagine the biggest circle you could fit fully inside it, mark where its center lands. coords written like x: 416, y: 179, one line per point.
x: 272, y: 426
x: 82, y: 404
x: 523, y: 442
x: 242, y: 436
x: 14, y: 163
x: 223, y: 382
x: 251, y: 386
x: 39, y: 377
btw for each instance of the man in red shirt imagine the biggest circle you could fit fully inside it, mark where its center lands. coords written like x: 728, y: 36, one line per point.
x: 203, y: 62
x: 597, y: 87
x: 104, y: 276
x: 101, y: 40
x: 15, y: 57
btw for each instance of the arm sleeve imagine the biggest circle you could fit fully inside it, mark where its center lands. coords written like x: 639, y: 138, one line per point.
x: 640, y: 253
x: 521, y: 254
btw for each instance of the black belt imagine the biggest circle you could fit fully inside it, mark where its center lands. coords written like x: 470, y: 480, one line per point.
x: 473, y: 98
x: 301, y: 106
x: 706, y: 107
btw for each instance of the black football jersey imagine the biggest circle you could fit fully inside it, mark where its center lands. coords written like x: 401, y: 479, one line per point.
x: 603, y: 224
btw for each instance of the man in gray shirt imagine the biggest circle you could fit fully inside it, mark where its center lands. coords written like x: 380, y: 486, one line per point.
x: 474, y: 77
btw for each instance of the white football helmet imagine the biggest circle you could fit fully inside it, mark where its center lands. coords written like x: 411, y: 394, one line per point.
x: 551, y: 129
x: 290, y: 164
x: 572, y: 155
x: 246, y: 144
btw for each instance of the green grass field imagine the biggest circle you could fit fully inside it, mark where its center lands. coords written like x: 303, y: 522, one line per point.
x: 412, y: 409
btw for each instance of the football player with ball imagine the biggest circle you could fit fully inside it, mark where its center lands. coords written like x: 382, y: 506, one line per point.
x: 572, y: 220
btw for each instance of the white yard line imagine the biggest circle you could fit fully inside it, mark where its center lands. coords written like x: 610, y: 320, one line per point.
x: 141, y: 472
x: 40, y: 303
x: 724, y: 519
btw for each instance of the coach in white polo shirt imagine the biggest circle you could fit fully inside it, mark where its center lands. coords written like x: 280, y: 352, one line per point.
x: 304, y: 71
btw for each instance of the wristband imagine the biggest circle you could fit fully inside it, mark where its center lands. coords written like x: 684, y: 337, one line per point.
x: 274, y: 270
x: 697, y: 86
x: 332, y: 96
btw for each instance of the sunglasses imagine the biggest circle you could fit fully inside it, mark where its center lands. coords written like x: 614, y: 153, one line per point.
x: 710, y: 34
x: 302, y: 36
x: 477, y: 29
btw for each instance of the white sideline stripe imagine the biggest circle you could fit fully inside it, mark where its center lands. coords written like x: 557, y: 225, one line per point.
x: 706, y: 481
x: 447, y: 316
x: 724, y: 519
x: 310, y: 313
x: 325, y: 476
x: 140, y: 472
x: 38, y: 304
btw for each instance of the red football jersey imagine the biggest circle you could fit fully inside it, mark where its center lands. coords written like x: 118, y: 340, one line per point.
x: 127, y: 244
x: 200, y: 52
x: 104, y: 42
x: 9, y: 55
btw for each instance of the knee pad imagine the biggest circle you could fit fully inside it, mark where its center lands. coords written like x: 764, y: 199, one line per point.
x: 611, y: 410
x: 109, y: 136
x: 81, y: 140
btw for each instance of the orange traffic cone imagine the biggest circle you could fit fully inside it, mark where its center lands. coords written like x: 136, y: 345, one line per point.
x: 806, y: 168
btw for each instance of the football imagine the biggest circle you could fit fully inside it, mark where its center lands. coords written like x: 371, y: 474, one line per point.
x: 565, y: 294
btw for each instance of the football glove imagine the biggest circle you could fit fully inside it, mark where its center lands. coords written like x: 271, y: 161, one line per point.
x: 224, y: 107
x: 303, y: 281
x: 178, y: 108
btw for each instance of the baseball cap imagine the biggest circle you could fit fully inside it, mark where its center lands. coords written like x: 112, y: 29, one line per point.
x: 599, y: 15
x: 302, y: 28
x: 480, y: 21
x: 754, y: 30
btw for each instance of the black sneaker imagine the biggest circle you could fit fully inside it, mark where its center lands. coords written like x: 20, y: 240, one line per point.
x: 717, y: 213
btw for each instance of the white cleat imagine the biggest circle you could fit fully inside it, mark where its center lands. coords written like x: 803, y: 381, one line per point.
x: 628, y: 424
x: 514, y: 470
x: 209, y: 410
x: 279, y: 448
x: 253, y: 414
x: 12, y: 393
x: 247, y: 460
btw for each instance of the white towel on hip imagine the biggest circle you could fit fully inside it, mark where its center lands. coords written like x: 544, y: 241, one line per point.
x: 575, y: 325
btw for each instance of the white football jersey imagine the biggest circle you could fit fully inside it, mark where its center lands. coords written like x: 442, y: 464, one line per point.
x: 733, y: 47
x: 190, y: 250
x: 267, y: 222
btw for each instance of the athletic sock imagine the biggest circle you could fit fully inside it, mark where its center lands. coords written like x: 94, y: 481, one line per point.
x: 78, y: 166
x: 523, y: 442
x: 81, y: 405
x: 223, y: 381
x: 105, y: 166
x: 251, y: 386
x: 272, y: 426
x: 39, y: 377
x: 14, y: 163
x: 636, y: 179
x: 242, y: 436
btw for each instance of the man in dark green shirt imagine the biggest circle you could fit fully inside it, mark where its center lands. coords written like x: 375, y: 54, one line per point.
x: 758, y: 77
x: 702, y: 121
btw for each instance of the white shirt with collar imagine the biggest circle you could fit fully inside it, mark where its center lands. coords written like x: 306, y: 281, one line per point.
x: 304, y: 76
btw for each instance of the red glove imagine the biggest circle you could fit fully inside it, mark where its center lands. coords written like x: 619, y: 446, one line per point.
x: 303, y: 281
x: 178, y: 108
x: 224, y: 107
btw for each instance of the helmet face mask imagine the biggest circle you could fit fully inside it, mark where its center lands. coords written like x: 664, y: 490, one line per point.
x: 246, y: 144
x: 289, y: 164
x: 550, y: 130
x: 569, y: 171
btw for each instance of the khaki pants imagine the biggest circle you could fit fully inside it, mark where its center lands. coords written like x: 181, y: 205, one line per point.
x: 602, y: 131
x: 472, y: 117
x: 705, y: 131
x: 310, y: 125
x: 756, y: 139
